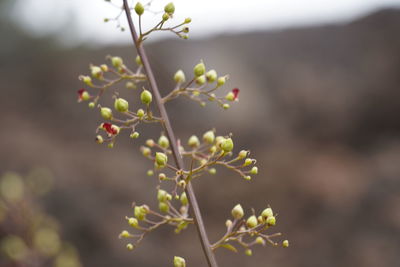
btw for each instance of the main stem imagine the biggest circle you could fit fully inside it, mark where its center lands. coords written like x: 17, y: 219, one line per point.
x: 205, y: 243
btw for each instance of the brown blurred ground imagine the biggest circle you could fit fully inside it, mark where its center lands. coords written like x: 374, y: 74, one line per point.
x: 319, y: 109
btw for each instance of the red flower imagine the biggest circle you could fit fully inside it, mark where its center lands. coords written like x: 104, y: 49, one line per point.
x: 83, y: 95
x: 236, y: 94
x: 110, y: 128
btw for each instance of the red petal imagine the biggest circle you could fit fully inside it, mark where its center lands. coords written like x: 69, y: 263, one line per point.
x: 80, y: 92
x: 236, y: 93
x: 108, y: 128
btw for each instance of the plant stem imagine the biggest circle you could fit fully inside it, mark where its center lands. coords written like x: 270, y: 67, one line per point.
x: 205, y: 243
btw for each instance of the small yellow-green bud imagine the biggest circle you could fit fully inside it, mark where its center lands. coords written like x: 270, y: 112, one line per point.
x: 121, y: 105
x: 260, y: 240
x: 194, y: 141
x: 267, y: 213
x: 85, y: 96
x: 140, y: 113
x: 169, y: 8
x: 163, y: 207
x: 199, y: 69
x: 139, y: 8
x: 212, y: 171
x: 87, y: 80
x: 162, y: 195
x: 209, y: 137
x: 187, y: 20
x: 106, y: 113
x: 211, y: 76
x: 252, y: 222
x: 161, y: 159
x: 285, y: 243
x: 179, y: 76
x: 226, y: 106
x: 99, y: 139
x: 219, y: 140
x: 212, y: 97
x: 117, y: 62
x: 260, y: 219
x: 227, y: 145
x: 228, y: 223
x: 104, y: 67
x: 125, y: 234
x: 139, y: 213
x: 91, y: 105
x: 185, y: 29
x: 130, y: 85
x: 247, y: 162
x: 133, y: 222
x: 254, y: 170
x: 96, y: 72
x: 248, y: 252
x: 213, y: 149
x: 150, y: 142
x: 146, y: 97
x: 201, y: 80
x: 150, y: 173
x: 165, y: 16
x: 163, y: 141
x: 182, y: 183
x: 184, y: 199
x: 230, y: 96
x: 237, y: 212
x: 221, y: 81
x: 134, y: 135
x: 242, y: 154
x: 179, y: 262
x: 138, y: 60
x: 130, y: 246
x: 248, y: 177
x: 271, y: 220
x: 162, y: 176
x: 110, y: 145
x: 146, y: 151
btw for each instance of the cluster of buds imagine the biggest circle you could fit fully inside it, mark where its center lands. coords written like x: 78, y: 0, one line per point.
x: 202, y: 87
x: 252, y: 228
x: 146, y: 220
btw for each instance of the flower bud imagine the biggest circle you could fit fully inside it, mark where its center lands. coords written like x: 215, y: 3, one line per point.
x: 169, y: 8
x: 161, y: 195
x: 247, y: 162
x: 237, y: 212
x: 121, y: 105
x: 285, y: 243
x: 110, y: 145
x: 104, y: 67
x: 140, y: 113
x: 146, y: 97
x: 162, y: 176
x: 163, y: 207
x: 260, y: 240
x: 254, y: 170
x: 194, y: 141
x: 213, y: 149
x: 117, y: 62
x: 150, y: 142
x: 139, y: 213
x: 165, y: 16
x: 267, y: 213
x: 252, y: 222
x: 133, y: 222
x: 87, y: 80
x: 179, y: 262
x: 248, y: 177
x: 226, y: 106
x: 99, y: 139
x: 212, y: 97
x: 187, y: 20
x: 134, y: 135
x: 219, y: 140
x: 184, y: 199
x: 248, y: 252
x: 230, y: 96
x: 242, y: 154
x: 146, y: 151
x: 106, y: 113
x: 271, y: 220
x: 130, y: 85
x: 212, y: 171
x: 227, y: 145
x: 150, y: 173
x: 179, y: 76
x: 130, y: 246
x: 182, y: 183
x: 185, y: 29
x: 199, y: 69
x: 96, y: 72
x: 201, y: 80
x: 161, y: 159
x: 91, y: 105
x: 163, y: 142
x: 211, y: 76
x: 221, y: 81
x: 228, y: 223
x: 139, y: 8
x: 138, y: 60
x: 124, y: 234
x: 85, y: 96
x: 209, y: 137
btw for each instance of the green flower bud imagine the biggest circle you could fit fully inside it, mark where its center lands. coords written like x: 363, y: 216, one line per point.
x: 161, y: 159
x: 163, y: 207
x: 140, y: 113
x: 212, y: 97
x: 85, y: 96
x: 91, y: 105
x: 161, y: 195
x: 219, y: 140
x: 139, y: 212
x: 121, y: 105
x: 267, y: 213
x: 104, y: 67
x: 130, y: 247
x: 227, y: 145
x: 211, y: 76
x: 260, y: 240
x: 117, y: 62
x: 130, y: 85
x: 162, y: 176
x: 165, y: 17
x: 179, y: 262
x: 247, y: 162
x: 146, y: 151
x: 237, y: 212
x: 185, y: 29
x: 146, y: 97
x: 184, y: 199
x: 248, y: 177
x: 212, y: 171
x: 209, y: 137
x: 248, y: 252
x: 179, y: 76
x: 106, y: 113
x: 194, y: 141
x: 169, y: 8
x: 271, y: 220
x: 242, y: 154
x: 87, y: 80
x: 226, y: 106
x: 252, y: 222
x: 213, y: 149
x: 139, y: 8
x: 199, y: 69
x: 138, y: 60
x: 133, y: 222
x: 187, y: 20
x: 150, y: 142
x: 124, y: 234
x: 230, y: 96
x: 285, y: 243
x: 96, y: 72
x: 201, y: 80
x: 254, y: 170
x: 110, y: 145
x: 99, y: 139
x: 163, y: 142
x: 150, y: 173
x: 134, y: 135
x: 221, y: 81
x: 228, y: 223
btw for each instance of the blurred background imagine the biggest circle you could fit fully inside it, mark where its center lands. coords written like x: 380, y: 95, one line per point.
x: 319, y: 109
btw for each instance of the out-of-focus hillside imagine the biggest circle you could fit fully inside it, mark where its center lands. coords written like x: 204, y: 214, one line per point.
x: 319, y: 108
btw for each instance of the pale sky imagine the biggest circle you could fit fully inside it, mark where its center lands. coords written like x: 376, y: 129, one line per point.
x: 82, y: 20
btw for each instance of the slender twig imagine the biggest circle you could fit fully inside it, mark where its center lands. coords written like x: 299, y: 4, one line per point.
x: 174, y: 147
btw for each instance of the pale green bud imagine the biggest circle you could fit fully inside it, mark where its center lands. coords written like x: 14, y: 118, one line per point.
x: 162, y: 195
x: 254, y: 170
x: 271, y: 220
x: 260, y: 240
x: 213, y: 149
x: 201, y: 80
x: 242, y: 154
x: 96, y: 72
x: 285, y: 243
x: 188, y: 20
x: 252, y: 222
x: 163, y: 207
x: 133, y: 222
x: 230, y: 96
x: 117, y: 62
x: 227, y: 145
x: 130, y: 85
x: 139, y: 8
x: 106, y: 113
x: 91, y: 105
x: 199, y: 69
x: 162, y: 176
x: 150, y: 142
x: 130, y: 247
x: 179, y: 262
x: 212, y: 97
x: 226, y: 106
x: 85, y: 96
x: 219, y: 140
x: 184, y: 199
x: 165, y: 16
x: 146, y: 151
x: 150, y: 173
x: 134, y: 135
x: 138, y: 60
x: 212, y: 171
x: 125, y: 234
x: 237, y: 212
x: 99, y: 139
x: 139, y: 212
x: 87, y: 80
x: 194, y: 141
x: 247, y: 162
x: 121, y: 105
x: 104, y: 67
x: 140, y: 113
x: 228, y: 223
x: 211, y: 76
x: 221, y: 81
x: 163, y: 142
x: 248, y: 252
x: 209, y: 137
x: 267, y: 213
x: 248, y: 177
x: 179, y: 76
x: 169, y: 8
x: 161, y: 159
x: 146, y: 97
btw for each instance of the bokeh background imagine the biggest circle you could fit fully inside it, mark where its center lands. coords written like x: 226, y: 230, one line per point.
x: 319, y: 108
